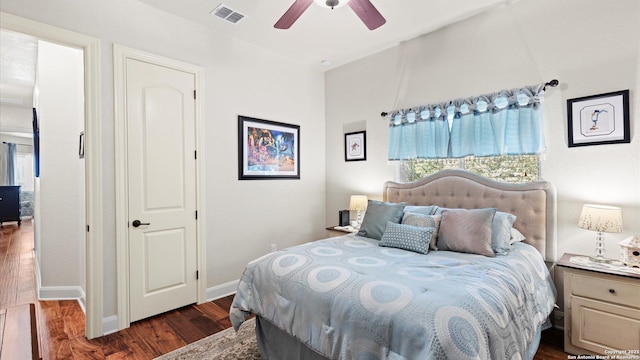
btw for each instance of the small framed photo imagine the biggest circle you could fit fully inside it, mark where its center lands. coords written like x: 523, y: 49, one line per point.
x: 267, y: 150
x: 355, y: 146
x: 599, y: 119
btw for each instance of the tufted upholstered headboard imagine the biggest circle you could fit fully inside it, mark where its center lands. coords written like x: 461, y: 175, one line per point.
x: 534, y: 204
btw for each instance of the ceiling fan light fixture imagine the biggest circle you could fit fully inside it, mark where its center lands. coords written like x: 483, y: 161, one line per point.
x: 331, y: 4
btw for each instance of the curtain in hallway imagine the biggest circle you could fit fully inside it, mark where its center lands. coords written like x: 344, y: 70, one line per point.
x: 11, y: 161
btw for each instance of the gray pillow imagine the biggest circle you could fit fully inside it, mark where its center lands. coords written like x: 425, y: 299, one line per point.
x: 433, y: 221
x: 376, y: 217
x: 466, y: 231
x: 501, y: 232
x: 407, y: 237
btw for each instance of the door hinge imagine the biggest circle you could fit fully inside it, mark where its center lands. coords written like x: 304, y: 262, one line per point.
x: 194, y: 94
x: 197, y: 275
x: 196, y: 214
x: 195, y: 154
x: 87, y: 228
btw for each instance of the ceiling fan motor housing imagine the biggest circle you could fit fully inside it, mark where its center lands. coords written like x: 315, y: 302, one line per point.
x: 332, y: 3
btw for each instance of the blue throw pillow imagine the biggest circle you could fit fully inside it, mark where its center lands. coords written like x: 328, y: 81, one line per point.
x: 407, y: 237
x: 424, y: 210
x: 376, y: 217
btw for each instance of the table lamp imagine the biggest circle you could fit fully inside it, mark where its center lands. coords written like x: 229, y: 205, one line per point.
x: 358, y: 203
x: 600, y: 218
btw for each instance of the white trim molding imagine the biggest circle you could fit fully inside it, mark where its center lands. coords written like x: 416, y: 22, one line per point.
x: 222, y: 290
x: 93, y: 154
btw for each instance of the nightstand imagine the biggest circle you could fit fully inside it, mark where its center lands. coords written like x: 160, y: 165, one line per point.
x: 601, y: 307
x: 334, y: 231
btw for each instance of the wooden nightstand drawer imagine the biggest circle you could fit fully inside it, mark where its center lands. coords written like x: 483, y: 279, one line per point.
x: 601, y: 307
x: 599, y: 326
x: 606, y: 288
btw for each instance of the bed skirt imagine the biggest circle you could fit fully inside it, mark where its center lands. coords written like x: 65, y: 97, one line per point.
x: 276, y: 344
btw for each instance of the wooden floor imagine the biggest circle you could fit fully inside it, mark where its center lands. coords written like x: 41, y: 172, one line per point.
x: 61, y: 323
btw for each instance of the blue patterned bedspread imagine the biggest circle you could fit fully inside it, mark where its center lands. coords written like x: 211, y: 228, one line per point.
x: 348, y: 298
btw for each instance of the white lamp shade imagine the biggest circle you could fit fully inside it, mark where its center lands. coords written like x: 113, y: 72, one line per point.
x: 601, y: 218
x: 358, y: 202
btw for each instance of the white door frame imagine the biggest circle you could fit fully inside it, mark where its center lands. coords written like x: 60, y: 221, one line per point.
x: 93, y: 155
x: 120, y: 56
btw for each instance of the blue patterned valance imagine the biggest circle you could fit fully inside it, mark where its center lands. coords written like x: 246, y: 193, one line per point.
x: 508, y: 122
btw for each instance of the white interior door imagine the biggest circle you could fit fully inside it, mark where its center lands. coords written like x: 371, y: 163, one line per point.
x: 161, y: 168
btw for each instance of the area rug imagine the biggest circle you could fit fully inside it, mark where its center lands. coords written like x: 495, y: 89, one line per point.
x: 224, y: 345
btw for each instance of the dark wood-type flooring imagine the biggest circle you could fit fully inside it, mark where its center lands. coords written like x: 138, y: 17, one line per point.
x: 61, y: 323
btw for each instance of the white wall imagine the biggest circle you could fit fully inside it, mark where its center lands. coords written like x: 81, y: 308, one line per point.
x: 60, y: 191
x: 243, y: 217
x: 591, y: 46
x: 15, y: 119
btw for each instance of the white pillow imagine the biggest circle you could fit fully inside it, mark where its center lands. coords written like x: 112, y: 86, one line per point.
x: 516, y: 236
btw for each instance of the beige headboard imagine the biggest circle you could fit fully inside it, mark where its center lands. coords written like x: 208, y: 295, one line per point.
x: 534, y: 204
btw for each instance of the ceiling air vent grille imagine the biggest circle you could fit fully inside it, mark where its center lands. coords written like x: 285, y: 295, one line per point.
x: 228, y: 14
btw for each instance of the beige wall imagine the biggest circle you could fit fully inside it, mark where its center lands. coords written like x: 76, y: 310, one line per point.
x: 591, y: 46
x: 243, y: 217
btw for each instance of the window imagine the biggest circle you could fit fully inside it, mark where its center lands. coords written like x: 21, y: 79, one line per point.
x: 24, y: 171
x: 512, y: 169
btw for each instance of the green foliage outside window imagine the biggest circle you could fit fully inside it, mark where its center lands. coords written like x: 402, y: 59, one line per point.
x: 512, y: 169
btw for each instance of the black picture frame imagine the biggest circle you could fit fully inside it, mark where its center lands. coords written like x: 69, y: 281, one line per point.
x: 355, y: 146
x: 36, y: 143
x: 267, y: 150
x: 599, y: 119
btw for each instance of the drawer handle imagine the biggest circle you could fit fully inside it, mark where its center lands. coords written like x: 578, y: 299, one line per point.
x: 612, y: 291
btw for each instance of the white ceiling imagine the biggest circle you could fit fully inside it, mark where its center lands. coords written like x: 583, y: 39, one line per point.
x: 321, y: 37
x: 320, y: 34
x: 18, y: 54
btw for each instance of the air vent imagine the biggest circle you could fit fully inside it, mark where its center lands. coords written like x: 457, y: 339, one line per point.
x: 228, y: 14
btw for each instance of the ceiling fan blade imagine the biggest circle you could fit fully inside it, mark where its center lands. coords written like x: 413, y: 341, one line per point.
x: 292, y: 14
x: 368, y: 13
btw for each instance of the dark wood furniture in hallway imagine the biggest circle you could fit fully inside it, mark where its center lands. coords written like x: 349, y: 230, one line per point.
x: 60, y: 324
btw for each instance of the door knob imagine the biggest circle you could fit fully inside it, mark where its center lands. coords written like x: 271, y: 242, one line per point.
x: 137, y: 223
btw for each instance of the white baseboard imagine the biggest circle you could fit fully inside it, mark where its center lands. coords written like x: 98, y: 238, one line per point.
x: 110, y: 323
x: 62, y: 293
x: 222, y: 290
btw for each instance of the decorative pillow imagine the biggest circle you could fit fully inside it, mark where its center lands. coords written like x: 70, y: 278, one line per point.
x: 516, y: 236
x: 501, y: 232
x: 376, y: 217
x: 466, y: 231
x: 407, y: 237
x: 425, y: 210
x: 420, y: 220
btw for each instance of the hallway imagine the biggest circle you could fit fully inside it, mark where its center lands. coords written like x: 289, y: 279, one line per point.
x: 17, y: 264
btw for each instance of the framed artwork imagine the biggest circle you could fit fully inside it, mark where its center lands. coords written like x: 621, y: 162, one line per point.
x: 267, y: 149
x: 599, y: 119
x: 355, y: 146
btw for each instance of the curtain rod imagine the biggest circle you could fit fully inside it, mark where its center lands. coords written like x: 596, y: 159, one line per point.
x: 551, y: 83
x: 4, y: 142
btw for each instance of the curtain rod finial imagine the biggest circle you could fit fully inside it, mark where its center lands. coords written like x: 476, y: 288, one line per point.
x: 552, y: 83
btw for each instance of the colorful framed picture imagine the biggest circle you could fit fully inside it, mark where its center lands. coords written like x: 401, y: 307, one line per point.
x: 355, y: 146
x: 599, y: 119
x: 267, y: 149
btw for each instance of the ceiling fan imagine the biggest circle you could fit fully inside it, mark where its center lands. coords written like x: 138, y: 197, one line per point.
x: 365, y: 10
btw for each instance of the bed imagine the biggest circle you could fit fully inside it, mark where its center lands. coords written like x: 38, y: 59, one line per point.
x: 396, y: 291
